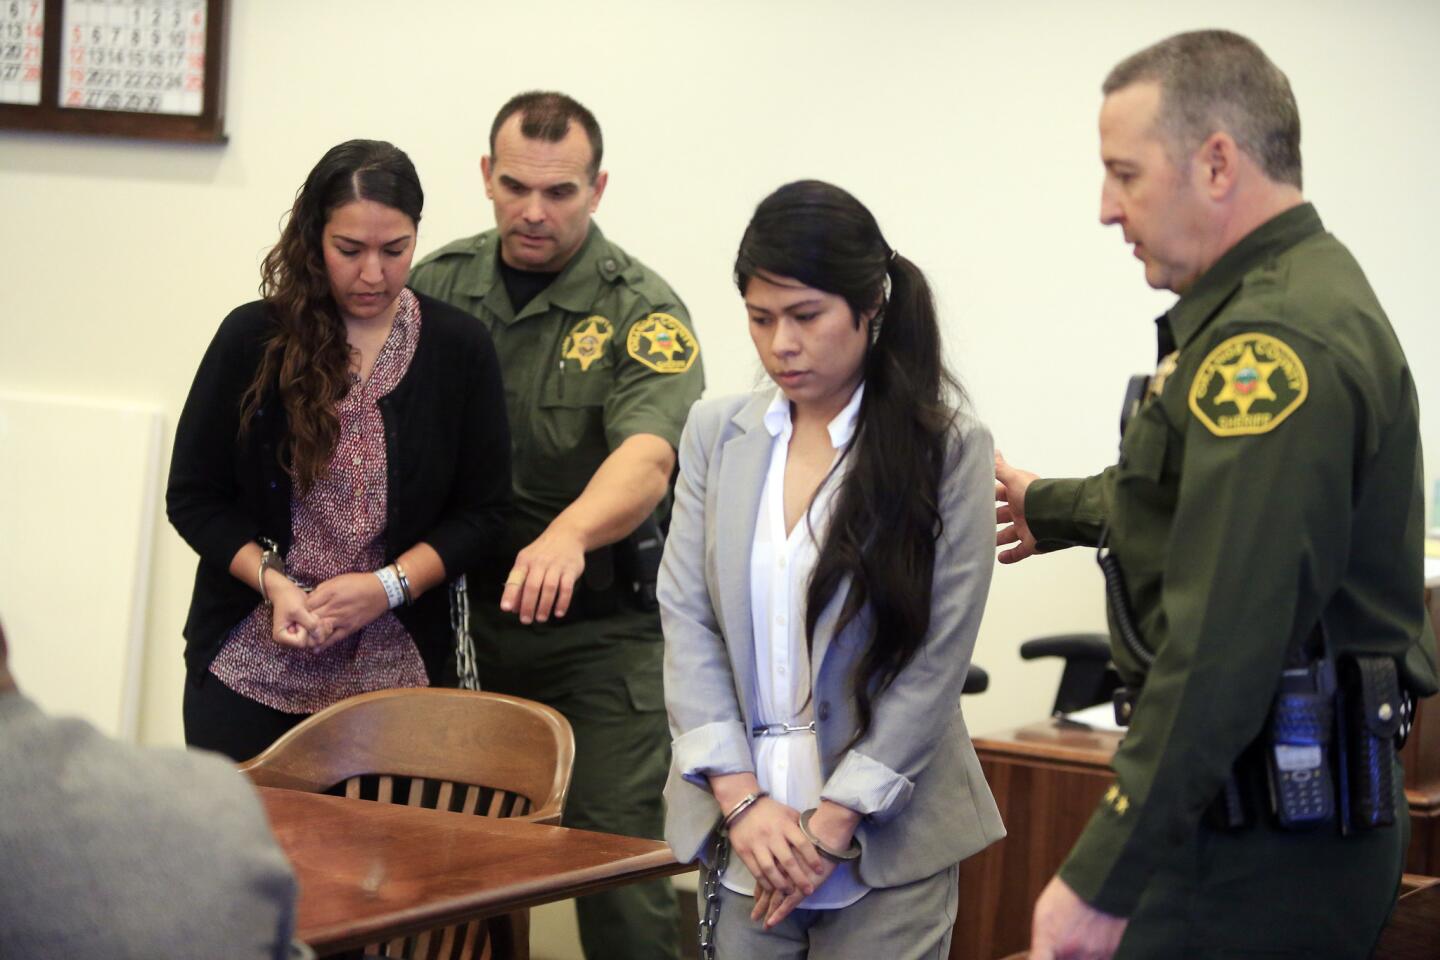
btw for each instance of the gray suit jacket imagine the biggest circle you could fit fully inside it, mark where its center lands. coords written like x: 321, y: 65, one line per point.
x: 112, y: 850
x: 914, y: 774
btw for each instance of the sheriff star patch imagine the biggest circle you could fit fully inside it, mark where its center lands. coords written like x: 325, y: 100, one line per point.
x: 663, y: 344
x: 1248, y: 385
x: 586, y: 339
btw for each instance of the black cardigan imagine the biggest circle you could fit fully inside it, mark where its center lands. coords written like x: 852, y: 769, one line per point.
x: 447, y: 444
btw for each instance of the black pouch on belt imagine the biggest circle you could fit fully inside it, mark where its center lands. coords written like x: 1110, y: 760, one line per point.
x: 1373, y: 709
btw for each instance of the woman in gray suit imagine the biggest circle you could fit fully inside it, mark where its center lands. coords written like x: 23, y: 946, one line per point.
x: 829, y: 555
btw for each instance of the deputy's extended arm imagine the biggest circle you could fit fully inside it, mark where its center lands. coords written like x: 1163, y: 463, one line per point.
x: 626, y: 488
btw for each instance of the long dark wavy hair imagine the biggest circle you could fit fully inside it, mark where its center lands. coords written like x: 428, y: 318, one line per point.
x: 308, y: 357
x: 886, y: 517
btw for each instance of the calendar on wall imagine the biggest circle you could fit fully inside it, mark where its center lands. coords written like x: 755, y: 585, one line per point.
x: 22, y: 36
x: 136, y: 68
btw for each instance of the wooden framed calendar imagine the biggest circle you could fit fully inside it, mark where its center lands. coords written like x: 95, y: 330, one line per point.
x: 151, y: 69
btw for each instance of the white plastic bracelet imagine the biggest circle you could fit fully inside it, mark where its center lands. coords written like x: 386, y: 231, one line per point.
x: 391, y: 582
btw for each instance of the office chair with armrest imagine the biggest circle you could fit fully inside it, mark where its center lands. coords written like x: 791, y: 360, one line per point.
x: 1088, y: 678
x: 482, y: 754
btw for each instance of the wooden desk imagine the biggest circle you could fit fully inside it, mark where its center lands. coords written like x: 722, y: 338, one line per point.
x: 372, y: 871
x: 1421, y: 757
x: 1414, y: 928
x: 1047, y: 780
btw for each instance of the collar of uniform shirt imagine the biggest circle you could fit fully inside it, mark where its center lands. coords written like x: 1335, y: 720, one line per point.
x: 1214, y: 287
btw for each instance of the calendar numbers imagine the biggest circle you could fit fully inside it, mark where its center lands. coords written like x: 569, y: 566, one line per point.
x: 22, y: 43
x: 145, y: 56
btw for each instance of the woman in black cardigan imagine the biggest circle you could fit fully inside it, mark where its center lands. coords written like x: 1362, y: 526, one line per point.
x: 343, y: 452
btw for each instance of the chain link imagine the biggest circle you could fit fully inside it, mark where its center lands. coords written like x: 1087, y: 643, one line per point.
x: 710, y: 888
x: 465, y: 666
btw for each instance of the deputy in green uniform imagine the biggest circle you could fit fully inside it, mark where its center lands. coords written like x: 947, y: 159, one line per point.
x: 600, y: 367
x: 1267, y: 504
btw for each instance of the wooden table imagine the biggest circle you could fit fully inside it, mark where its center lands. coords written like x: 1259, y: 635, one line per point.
x: 372, y: 871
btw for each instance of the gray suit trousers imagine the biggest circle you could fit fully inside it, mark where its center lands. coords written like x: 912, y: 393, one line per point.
x: 909, y: 922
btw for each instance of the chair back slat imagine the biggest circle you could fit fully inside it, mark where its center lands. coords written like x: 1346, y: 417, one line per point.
x: 442, y: 799
x: 352, y: 788
x: 472, y: 799
x: 475, y: 941
x: 447, y: 942
x: 416, y: 795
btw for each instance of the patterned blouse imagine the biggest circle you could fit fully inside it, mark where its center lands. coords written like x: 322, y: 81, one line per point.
x: 338, y: 527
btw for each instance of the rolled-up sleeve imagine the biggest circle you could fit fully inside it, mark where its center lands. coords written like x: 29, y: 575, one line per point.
x: 868, y: 787
x: 716, y: 748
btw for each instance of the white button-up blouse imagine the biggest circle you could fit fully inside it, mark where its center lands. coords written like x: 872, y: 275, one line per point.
x: 788, y: 765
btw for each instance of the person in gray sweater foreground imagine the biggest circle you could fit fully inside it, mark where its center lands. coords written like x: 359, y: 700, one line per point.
x: 111, y: 850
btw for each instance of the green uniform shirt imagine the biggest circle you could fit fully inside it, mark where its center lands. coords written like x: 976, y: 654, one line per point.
x: 1271, y: 480
x: 603, y: 353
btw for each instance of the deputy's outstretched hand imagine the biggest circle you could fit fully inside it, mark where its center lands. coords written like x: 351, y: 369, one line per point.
x: 542, y: 579
x: 1010, y: 486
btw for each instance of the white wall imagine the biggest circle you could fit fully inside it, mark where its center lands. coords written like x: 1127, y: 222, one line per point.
x: 969, y: 128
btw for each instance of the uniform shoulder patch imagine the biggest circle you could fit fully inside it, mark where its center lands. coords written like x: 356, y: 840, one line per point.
x: 662, y: 343
x: 1248, y: 385
x: 586, y: 340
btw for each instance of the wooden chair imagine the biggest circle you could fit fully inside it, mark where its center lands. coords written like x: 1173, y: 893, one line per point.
x: 482, y: 754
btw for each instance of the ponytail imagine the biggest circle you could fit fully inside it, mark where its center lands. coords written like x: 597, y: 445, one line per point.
x: 886, y: 521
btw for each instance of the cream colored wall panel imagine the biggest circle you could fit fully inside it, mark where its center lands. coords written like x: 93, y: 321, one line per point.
x: 79, y: 484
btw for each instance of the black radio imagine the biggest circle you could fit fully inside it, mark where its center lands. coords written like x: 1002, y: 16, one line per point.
x: 1298, y: 747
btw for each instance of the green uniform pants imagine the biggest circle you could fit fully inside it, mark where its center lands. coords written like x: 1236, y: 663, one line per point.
x: 621, y: 758
x: 1268, y: 893
x: 604, y: 677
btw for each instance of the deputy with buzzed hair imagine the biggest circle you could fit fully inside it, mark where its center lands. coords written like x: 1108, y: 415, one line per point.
x: 600, y: 367
x: 1261, y: 542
